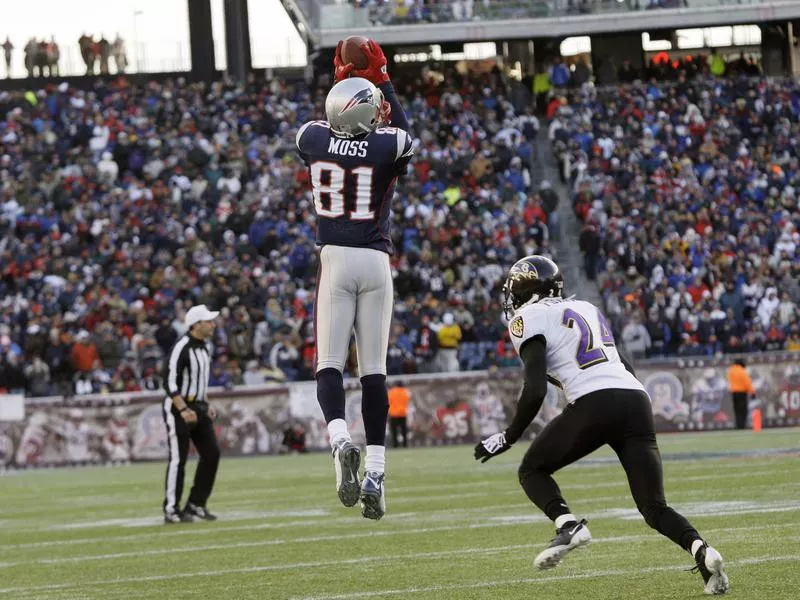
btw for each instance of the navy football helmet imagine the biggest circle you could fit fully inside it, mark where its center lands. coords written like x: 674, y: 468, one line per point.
x: 531, y: 279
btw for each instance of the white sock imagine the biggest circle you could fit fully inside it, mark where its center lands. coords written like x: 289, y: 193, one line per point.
x: 696, y: 545
x: 376, y: 459
x: 337, y: 431
x: 564, y: 519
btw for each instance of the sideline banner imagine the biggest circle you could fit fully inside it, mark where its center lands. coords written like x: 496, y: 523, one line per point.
x: 452, y: 408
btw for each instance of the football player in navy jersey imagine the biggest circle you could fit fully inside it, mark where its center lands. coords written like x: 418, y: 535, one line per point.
x: 569, y: 342
x: 354, y: 159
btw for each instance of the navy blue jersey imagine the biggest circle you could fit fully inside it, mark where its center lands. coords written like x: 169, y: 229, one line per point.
x: 352, y: 180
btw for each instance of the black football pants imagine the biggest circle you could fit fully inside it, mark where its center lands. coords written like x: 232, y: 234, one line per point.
x: 399, y: 426
x: 205, y: 442
x: 623, y: 419
x: 740, y: 409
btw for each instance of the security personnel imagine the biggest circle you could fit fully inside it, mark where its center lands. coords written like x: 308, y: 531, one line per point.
x: 188, y: 416
x: 740, y: 386
x: 399, y: 397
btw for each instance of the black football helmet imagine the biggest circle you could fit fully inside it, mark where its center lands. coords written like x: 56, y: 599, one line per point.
x: 529, y: 280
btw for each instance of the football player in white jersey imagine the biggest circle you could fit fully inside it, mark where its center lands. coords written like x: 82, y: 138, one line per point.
x: 570, y: 343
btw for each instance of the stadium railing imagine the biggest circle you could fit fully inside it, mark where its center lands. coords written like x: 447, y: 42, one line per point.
x: 447, y: 408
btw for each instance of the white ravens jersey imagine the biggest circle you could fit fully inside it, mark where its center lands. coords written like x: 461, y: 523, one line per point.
x: 581, y: 353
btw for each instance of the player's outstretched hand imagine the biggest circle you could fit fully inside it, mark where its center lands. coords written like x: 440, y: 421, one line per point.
x: 341, y: 70
x: 491, y: 447
x: 376, y: 72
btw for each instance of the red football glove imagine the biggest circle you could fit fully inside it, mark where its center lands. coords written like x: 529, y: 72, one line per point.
x: 376, y: 71
x: 341, y: 70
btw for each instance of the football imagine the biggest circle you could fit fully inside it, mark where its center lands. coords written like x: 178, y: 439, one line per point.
x: 352, y: 53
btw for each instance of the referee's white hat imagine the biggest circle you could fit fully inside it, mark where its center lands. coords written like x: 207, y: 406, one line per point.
x: 199, y: 313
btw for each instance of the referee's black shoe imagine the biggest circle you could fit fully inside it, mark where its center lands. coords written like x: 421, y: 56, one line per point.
x: 199, y: 512
x: 174, y: 517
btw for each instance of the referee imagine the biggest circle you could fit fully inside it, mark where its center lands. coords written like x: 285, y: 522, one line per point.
x: 188, y: 416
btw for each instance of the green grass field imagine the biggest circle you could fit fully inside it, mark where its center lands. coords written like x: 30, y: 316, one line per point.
x: 455, y: 529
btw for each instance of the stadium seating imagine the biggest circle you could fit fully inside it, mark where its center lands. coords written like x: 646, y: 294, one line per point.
x: 688, y: 194
x: 124, y: 205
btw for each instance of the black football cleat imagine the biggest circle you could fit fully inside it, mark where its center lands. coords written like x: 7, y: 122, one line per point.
x: 171, y: 518
x: 199, y: 512
x: 346, y: 461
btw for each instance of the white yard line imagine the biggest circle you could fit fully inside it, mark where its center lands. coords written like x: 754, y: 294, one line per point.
x: 377, y: 558
x: 402, y: 519
x: 514, y: 490
x: 493, y: 523
x: 534, y: 580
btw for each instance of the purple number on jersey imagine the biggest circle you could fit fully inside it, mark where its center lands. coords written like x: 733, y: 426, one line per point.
x: 587, y: 355
x: 605, y: 331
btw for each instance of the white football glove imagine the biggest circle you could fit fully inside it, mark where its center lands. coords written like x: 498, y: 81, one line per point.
x: 491, y: 447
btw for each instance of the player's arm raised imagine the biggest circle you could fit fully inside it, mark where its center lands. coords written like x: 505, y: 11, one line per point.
x: 377, y: 73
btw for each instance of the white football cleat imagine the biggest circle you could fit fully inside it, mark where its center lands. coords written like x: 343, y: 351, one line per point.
x: 709, y: 563
x: 572, y: 535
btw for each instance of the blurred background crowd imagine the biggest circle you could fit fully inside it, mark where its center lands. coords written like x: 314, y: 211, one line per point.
x: 688, y: 195
x: 123, y: 205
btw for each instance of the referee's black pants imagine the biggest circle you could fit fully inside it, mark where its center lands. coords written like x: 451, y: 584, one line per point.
x: 203, y: 436
x: 623, y: 419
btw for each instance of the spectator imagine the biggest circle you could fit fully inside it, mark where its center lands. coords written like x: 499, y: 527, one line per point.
x: 426, y: 346
x: 37, y: 374
x: 12, y: 376
x: 589, y: 244
x: 104, y: 51
x: 449, y: 334
x: 8, y: 48
x: 253, y: 374
x: 85, y: 357
x: 636, y: 338
x: 120, y: 54
x: 559, y: 74
x: 283, y: 356
x: 768, y: 305
x: 787, y: 310
x: 294, y: 439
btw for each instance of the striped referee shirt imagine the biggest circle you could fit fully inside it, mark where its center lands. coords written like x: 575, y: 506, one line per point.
x: 188, y: 370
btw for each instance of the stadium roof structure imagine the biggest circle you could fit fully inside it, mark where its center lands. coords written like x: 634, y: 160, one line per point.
x: 331, y: 22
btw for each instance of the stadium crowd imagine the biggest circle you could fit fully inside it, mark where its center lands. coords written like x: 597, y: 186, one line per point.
x: 688, y: 195
x: 123, y: 205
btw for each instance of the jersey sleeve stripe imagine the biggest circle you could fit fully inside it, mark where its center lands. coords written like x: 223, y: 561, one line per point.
x: 405, y: 147
x: 305, y: 127
x: 400, y: 139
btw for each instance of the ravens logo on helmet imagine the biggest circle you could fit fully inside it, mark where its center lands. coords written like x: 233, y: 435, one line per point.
x: 529, y: 280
